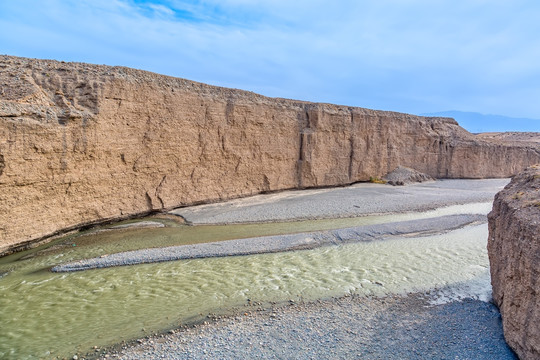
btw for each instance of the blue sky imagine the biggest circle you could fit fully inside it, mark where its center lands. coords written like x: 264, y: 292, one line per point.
x: 415, y: 56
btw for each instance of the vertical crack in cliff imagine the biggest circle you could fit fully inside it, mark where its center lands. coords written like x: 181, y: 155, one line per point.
x: 266, y: 183
x: 68, y: 187
x: 135, y: 166
x: 301, y: 147
x: 222, y: 140
x: 158, y: 190
x: 63, y: 158
x: 84, y: 126
x: 149, y: 202
x: 441, y: 156
x: 351, y: 145
x: 304, y: 127
x: 389, y: 153
x: 309, y: 121
x: 450, y: 165
x: 147, y: 137
x: 2, y: 164
x: 229, y: 112
x: 299, y: 162
x: 445, y: 155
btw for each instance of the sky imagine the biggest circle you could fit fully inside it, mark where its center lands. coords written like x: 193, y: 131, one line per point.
x: 414, y: 56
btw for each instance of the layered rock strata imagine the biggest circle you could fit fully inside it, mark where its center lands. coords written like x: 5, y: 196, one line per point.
x: 83, y: 143
x: 514, y: 256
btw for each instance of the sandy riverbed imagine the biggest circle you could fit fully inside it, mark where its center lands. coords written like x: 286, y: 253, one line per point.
x: 356, y: 200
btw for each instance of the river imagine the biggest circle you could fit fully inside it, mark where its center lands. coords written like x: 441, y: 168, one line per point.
x: 48, y: 315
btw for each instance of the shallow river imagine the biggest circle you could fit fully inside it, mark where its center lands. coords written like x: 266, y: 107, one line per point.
x: 45, y: 314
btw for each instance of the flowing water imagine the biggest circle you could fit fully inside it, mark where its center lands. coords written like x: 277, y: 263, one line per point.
x: 45, y: 314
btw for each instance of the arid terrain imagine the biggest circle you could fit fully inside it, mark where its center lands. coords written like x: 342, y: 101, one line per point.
x: 82, y: 144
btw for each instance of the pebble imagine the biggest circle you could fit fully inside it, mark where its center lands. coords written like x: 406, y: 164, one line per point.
x: 351, y: 327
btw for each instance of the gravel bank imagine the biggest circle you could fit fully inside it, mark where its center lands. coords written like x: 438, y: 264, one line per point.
x: 276, y: 243
x: 356, y: 200
x: 347, y: 328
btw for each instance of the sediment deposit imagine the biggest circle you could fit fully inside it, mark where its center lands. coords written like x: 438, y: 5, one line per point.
x: 514, y: 255
x: 273, y: 244
x: 81, y: 144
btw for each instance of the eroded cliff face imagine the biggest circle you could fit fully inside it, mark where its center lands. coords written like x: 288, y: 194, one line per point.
x: 85, y: 143
x: 514, y: 256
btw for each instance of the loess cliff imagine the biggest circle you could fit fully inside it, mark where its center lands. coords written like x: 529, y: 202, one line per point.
x: 514, y: 256
x: 81, y: 144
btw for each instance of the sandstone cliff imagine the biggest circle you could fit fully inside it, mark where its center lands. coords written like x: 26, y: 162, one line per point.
x: 514, y: 256
x: 84, y: 143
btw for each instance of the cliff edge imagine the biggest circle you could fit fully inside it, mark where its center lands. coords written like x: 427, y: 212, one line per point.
x: 514, y: 256
x: 81, y: 143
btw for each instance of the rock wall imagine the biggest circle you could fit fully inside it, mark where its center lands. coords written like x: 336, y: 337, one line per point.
x: 514, y: 256
x: 84, y: 143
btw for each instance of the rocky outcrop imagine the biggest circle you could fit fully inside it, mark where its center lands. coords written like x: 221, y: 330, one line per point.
x: 512, y: 138
x: 85, y: 143
x: 403, y: 176
x: 514, y: 256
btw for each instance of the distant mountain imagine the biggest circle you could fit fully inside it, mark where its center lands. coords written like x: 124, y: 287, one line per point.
x: 477, y: 123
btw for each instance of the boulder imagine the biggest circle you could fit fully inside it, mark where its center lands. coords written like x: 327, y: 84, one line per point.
x: 403, y: 176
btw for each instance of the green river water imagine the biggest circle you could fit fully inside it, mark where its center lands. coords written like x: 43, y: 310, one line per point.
x: 48, y: 315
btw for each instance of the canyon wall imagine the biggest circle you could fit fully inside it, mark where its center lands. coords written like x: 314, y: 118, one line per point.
x: 81, y: 143
x: 514, y: 256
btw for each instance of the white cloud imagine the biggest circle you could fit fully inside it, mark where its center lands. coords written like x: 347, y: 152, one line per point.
x: 162, y: 11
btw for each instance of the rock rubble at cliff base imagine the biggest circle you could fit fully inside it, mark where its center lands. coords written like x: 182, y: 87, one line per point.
x: 403, y: 176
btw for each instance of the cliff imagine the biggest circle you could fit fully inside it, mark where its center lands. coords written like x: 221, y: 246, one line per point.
x: 84, y: 143
x: 514, y: 256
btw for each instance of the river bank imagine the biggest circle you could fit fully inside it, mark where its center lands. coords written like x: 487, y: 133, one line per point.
x: 352, y: 327
x: 350, y: 201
